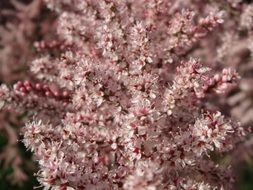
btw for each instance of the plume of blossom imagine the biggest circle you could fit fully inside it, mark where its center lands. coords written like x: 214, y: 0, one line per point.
x: 109, y: 112
x: 230, y: 47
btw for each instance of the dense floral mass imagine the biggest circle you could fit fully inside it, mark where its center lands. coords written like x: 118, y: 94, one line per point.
x: 118, y: 103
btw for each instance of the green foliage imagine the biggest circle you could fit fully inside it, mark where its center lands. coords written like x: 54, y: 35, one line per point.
x: 5, y: 183
x: 246, y: 176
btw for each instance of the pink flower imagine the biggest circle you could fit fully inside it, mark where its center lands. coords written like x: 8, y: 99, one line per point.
x: 125, y: 106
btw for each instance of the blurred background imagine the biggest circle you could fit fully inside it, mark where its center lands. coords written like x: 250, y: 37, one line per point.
x: 23, y: 22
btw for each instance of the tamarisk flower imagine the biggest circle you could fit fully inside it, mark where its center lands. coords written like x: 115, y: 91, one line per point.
x: 125, y: 118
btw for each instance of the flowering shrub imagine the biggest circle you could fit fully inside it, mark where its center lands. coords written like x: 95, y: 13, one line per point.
x: 119, y: 101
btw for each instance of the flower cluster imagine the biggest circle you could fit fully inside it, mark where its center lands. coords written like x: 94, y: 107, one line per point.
x: 119, y: 104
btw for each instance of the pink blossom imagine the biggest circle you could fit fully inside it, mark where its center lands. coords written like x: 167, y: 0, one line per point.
x: 120, y: 105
